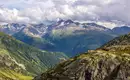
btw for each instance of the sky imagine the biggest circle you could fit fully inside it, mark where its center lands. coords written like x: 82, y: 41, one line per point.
x: 36, y: 11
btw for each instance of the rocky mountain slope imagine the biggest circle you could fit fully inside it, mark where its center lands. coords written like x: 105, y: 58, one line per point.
x: 110, y: 62
x: 18, y: 59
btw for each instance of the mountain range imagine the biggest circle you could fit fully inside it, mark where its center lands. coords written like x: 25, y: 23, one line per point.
x: 109, y: 62
x: 67, y: 36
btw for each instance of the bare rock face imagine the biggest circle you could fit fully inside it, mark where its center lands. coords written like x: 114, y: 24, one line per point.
x: 110, y: 62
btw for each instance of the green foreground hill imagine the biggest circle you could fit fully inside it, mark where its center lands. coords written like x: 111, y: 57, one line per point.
x: 19, y: 61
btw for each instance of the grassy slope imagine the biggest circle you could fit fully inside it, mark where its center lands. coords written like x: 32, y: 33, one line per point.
x: 7, y: 74
x: 34, y: 60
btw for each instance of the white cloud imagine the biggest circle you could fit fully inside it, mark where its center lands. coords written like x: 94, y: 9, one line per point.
x: 38, y: 10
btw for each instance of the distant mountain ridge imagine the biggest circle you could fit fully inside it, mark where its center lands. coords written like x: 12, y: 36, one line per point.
x: 42, y: 28
x: 39, y: 30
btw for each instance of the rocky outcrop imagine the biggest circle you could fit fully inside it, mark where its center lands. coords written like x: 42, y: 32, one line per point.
x: 101, y: 65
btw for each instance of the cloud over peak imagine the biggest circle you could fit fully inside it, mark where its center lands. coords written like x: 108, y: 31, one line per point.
x: 33, y: 11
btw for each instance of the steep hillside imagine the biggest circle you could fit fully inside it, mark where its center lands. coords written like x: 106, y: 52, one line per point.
x: 110, y: 62
x: 17, y: 57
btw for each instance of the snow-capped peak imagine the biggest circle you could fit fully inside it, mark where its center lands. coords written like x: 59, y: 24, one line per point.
x: 59, y: 19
